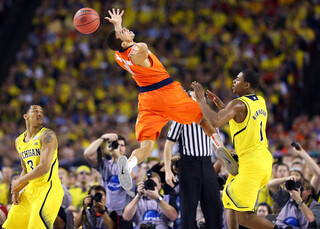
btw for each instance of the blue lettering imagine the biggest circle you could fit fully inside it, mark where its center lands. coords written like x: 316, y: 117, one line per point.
x: 259, y: 112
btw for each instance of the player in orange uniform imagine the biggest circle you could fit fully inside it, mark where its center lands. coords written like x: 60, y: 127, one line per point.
x: 160, y: 99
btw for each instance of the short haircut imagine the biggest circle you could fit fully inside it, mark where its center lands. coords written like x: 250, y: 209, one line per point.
x: 306, y: 184
x: 120, y: 137
x: 156, y: 175
x: 26, y: 109
x: 282, y: 164
x: 97, y: 188
x: 113, y: 42
x: 267, y: 205
x: 252, y: 77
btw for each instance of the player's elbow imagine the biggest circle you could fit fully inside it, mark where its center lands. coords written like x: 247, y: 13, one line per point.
x: 44, y: 169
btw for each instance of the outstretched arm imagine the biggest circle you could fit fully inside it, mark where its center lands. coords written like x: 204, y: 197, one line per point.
x: 224, y: 115
x: 115, y: 18
x: 315, y: 181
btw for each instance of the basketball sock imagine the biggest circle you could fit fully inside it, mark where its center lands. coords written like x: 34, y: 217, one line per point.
x: 216, y: 140
x: 132, y: 162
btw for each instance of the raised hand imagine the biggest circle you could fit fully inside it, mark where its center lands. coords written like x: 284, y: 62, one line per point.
x: 110, y: 137
x: 115, y: 18
x: 215, y: 99
x: 198, y: 91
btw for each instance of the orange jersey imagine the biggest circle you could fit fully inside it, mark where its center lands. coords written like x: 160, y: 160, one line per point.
x: 143, y: 76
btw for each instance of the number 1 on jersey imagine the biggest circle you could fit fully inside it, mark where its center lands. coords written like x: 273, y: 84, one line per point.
x: 261, y: 135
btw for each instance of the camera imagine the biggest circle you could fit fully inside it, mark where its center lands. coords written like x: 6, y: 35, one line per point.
x: 113, y: 145
x: 148, y: 226
x: 292, y: 185
x: 96, y: 197
x: 295, y: 145
x: 149, y: 184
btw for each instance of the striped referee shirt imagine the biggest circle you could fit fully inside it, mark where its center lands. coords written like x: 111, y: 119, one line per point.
x: 192, y: 139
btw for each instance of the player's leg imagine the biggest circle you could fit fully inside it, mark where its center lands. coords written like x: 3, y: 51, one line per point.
x: 250, y: 220
x: 221, y: 151
x: 148, y: 128
x: 261, y: 166
x: 125, y: 165
x: 232, y: 219
x: 48, y: 199
x: 20, y: 212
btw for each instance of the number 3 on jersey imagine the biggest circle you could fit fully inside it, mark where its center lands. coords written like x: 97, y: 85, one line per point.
x: 30, y: 163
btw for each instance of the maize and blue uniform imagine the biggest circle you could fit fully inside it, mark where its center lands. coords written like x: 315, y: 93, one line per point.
x: 255, y: 160
x: 42, y: 197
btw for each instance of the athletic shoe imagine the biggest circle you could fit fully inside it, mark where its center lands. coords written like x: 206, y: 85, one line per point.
x: 228, y: 160
x: 124, y: 175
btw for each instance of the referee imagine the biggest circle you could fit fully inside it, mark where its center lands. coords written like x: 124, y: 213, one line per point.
x: 198, y: 180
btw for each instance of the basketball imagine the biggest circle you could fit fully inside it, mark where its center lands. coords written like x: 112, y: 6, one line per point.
x: 86, y: 20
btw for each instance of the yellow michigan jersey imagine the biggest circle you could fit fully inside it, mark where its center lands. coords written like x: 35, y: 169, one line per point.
x: 255, y: 160
x: 42, y: 197
x: 250, y: 135
x: 30, y: 154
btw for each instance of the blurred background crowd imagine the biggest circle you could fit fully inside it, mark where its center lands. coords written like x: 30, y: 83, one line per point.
x: 84, y: 93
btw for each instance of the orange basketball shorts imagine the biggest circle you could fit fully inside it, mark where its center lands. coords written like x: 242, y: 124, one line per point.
x: 157, y: 107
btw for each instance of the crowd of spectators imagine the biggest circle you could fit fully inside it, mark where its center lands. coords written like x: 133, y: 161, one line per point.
x: 76, y: 80
x: 74, y: 76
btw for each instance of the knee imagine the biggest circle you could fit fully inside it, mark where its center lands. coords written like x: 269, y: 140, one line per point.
x: 244, y: 216
x: 147, y: 145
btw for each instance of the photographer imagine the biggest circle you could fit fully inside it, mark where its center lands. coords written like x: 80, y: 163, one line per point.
x: 295, y: 200
x: 148, y: 209
x: 94, y: 214
x: 117, y: 197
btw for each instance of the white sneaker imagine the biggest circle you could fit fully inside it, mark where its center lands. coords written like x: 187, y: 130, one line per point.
x: 230, y: 163
x: 124, y: 175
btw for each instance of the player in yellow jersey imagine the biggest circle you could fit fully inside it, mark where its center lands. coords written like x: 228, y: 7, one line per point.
x: 37, y: 194
x: 247, y: 117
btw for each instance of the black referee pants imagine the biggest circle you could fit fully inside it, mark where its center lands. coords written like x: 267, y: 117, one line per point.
x: 198, y: 181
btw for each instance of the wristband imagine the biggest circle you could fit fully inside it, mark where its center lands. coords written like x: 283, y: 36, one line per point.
x: 159, y: 199
x: 103, y: 211
x: 300, y: 203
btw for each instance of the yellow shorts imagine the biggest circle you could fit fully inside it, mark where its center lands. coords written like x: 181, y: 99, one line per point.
x: 39, y: 206
x: 241, y: 191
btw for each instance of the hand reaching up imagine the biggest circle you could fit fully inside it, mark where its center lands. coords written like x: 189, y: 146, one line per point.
x: 115, y: 18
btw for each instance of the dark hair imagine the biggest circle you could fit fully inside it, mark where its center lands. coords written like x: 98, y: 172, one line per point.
x: 120, y: 137
x: 97, y: 188
x: 267, y: 205
x: 113, y: 42
x: 252, y: 77
x: 26, y: 109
